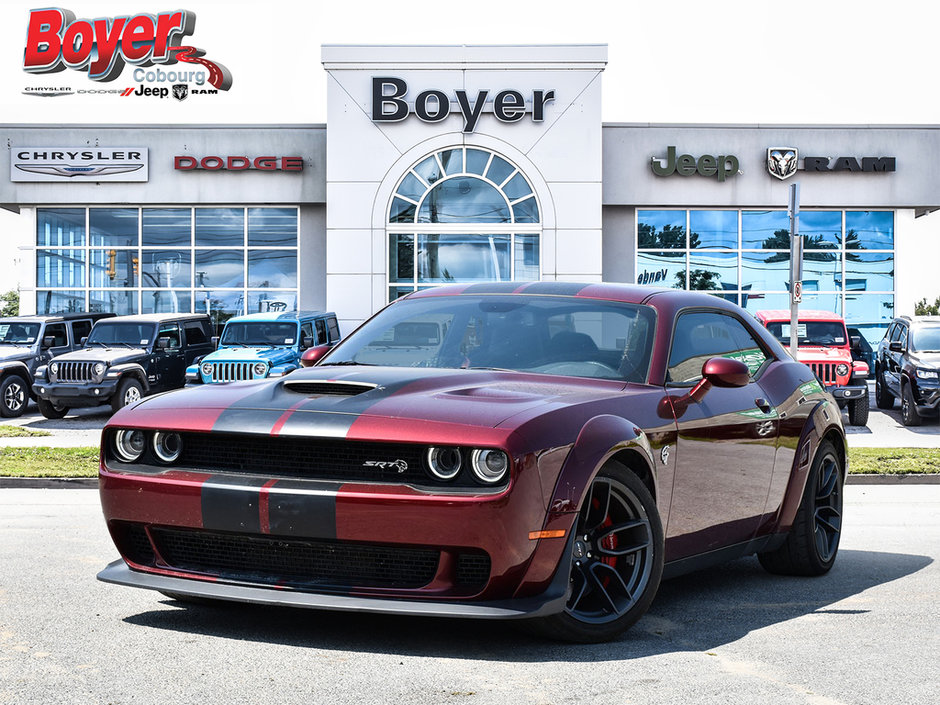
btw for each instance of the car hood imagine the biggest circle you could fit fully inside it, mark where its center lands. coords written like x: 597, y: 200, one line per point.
x: 112, y: 356
x: 328, y: 400
x: 15, y: 352
x: 930, y: 359
x: 821, y: 353
x: 274, y: 355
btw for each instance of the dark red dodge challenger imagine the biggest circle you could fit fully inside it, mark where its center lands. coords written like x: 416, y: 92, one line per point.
x: 547, y: 451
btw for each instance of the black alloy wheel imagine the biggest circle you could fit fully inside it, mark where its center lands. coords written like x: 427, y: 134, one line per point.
x: 13, y: 396
x: 883, y: 398
x: 909, y: 415
x: 616, y: 560
x: 813, y: 541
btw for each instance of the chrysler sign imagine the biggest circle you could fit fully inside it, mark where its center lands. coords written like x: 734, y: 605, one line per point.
x: 78, y: 164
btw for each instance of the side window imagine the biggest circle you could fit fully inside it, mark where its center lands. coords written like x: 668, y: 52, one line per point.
x: 195, y: 333
x: 322, y: 336
x: 896, y: 335
x: 306, y: 331
x: 80, y: 329
x: 334, y: 330
x: 170, y: 331
x: 57, y: 331
x: 701, y: 335
x: 890, y: 332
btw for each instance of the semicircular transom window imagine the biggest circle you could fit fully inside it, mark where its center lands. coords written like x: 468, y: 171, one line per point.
x: 462, y: 215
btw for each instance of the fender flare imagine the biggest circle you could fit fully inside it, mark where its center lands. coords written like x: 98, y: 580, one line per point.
x: 599, y: 440
x: 135, y: 370
x: 820, y: 424
x: 16, y: 367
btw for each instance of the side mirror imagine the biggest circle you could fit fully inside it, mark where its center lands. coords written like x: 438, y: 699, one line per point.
x: 83, y: 340
x: 215, y: 342
x: 48, y: 341
x: 313, y: 355
x: 856, y: 341
x: 895, y: 346
x: 306, y: 342
x: 720, y: 372
x: 163, y: 343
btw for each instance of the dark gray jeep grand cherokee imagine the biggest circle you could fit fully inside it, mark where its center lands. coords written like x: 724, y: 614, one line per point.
x: 124, y: 359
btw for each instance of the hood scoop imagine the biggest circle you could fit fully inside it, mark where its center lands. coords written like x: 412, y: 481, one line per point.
x: 328, y: 388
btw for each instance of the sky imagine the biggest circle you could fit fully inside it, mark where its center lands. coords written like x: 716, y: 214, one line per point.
x: 669, y: 61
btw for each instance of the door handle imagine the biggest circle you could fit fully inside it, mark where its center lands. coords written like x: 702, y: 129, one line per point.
x: 763, y: 405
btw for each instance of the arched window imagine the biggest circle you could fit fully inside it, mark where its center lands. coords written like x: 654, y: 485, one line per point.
x: 462, y: 215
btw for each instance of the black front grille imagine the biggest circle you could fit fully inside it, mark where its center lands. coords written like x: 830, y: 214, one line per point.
x: 296, y: 563
x: 132, y: 542
x: 73, y: 372
x: 322, y: 459
x: 473, y: 569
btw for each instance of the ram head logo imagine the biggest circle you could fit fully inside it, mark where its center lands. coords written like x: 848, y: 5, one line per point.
x: 782, y: 161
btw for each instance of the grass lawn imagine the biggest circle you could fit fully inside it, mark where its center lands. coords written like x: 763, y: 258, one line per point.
x: 83, y: 462
x: 10, y: 431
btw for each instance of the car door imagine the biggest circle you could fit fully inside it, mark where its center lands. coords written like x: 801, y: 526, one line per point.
x: 894, y: 360
x: 726, y: 441
x: 171, y: 363
x: 58, y: 332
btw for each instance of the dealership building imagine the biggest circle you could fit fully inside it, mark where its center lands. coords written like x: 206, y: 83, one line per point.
x: 466, y: 164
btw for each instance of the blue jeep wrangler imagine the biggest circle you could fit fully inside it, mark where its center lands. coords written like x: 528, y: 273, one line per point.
x: 263, y: 345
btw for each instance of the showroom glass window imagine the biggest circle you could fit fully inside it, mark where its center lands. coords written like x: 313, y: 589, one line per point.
x: 462, y: 215
x: 744, y: 256
x: 221, y: 260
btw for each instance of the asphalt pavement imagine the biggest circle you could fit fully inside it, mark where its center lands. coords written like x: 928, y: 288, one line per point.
x: 865, y: 634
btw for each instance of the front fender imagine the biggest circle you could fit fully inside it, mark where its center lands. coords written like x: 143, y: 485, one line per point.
x: 131, y: 368
x: 16, y: 367
x: 600, y: 439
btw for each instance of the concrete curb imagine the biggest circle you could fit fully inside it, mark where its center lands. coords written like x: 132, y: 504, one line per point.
x: 58, y: 483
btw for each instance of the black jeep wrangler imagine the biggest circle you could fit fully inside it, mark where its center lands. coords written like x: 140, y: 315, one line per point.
x: 124, y: 359
x: 26, y: 342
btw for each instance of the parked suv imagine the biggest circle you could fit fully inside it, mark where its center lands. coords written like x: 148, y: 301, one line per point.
x: 124, y: 358
x: 825, y: 345
x: 26, y: 342
x: 908, y: 367
x: 263, y: 345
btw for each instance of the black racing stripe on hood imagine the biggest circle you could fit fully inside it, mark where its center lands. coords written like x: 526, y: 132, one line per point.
x: 247, y: 420
x: 232, y: 503
x: 323, y: 424
x: 295, y: 510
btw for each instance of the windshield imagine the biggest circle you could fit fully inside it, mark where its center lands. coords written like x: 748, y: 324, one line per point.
x: 18, y: 333
x: 542, y: 334
x: 831, y: 333
x: 925, y: 339
x: 259, y: 333
x: 136, y: 335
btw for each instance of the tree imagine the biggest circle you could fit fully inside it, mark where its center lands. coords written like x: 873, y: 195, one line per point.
x: 670, y: 237
x: 699, y: 280
x: 10, y: 303
x: 922, y: 308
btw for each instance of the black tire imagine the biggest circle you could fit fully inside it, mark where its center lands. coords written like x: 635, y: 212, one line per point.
x: 884, y: 399
x: 616, y: 562
x: 858, y: 410
x: 129, y: 391
x: 50, y: 410
x: 14, y: 396
x: 909, y: 415
x: 813, y: 541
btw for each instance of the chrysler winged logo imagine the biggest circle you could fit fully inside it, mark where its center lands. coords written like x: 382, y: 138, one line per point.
x: 399, y: 465
x: 782, y: 161
x: 91, y: 170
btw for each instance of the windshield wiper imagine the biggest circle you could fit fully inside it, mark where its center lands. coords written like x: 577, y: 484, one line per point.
x: 495, y: 369
x: 346, y: 362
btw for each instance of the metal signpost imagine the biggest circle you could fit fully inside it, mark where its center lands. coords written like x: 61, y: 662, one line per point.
x: 796, y: 267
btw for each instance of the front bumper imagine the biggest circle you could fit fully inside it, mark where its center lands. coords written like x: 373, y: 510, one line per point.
x: 927, y: 398
x: 75, y: 395
x: 846, y: 393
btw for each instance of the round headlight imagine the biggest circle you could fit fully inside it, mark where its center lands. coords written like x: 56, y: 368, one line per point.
x: 842, y: 369
x: 207, y: 368
x: 100, y: 367
x: 167, y: 446
x: 444, y: 462
x: 54, y: 368
x: 490, y: 466
x: 261, y: 369
x: 129, y: 444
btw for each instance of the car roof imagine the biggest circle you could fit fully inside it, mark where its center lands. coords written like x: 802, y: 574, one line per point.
x: 282, y: 316
x: 916, y: 320
x: 159, y: 317
x: 39, y: 318
x: 804, y: 314
x: 627, y: 293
